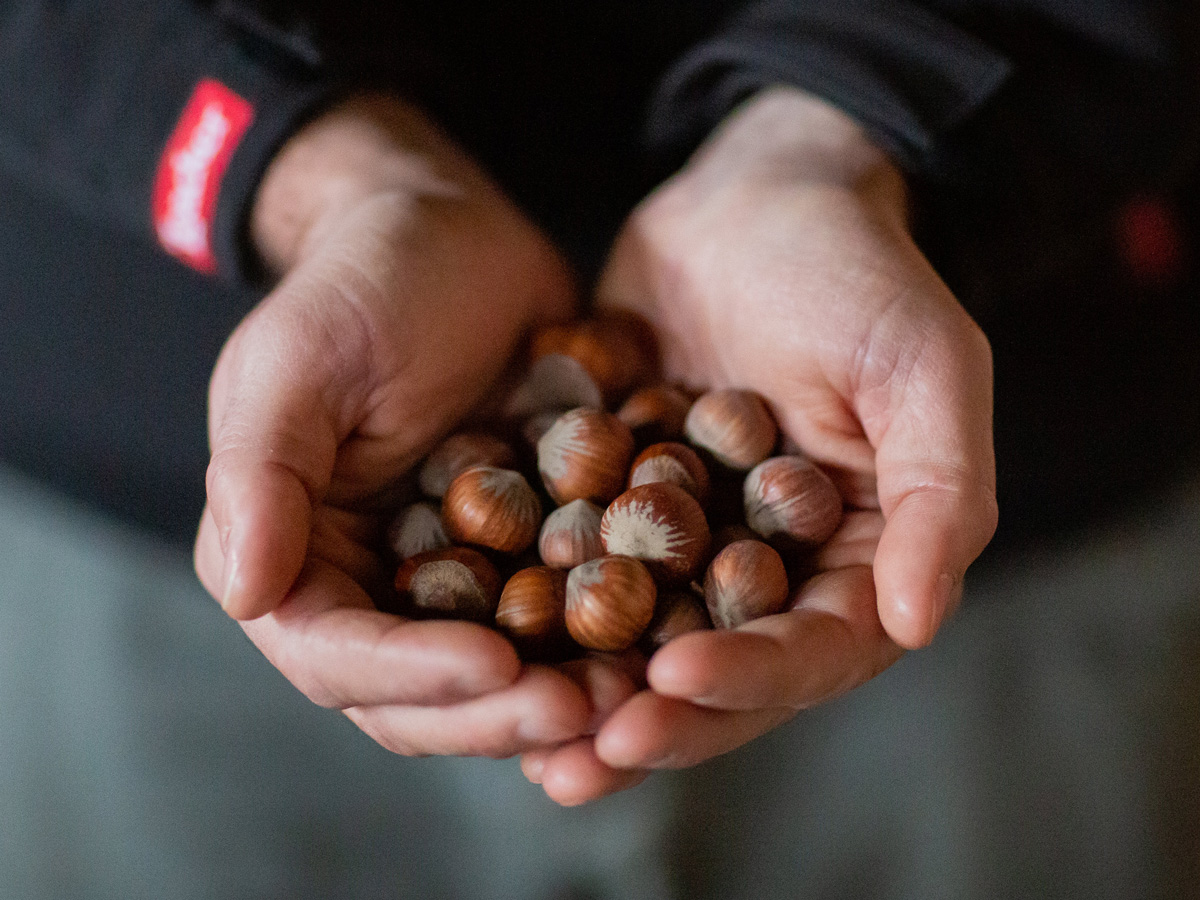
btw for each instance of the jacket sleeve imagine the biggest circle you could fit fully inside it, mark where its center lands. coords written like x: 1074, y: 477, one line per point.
x: 159, y: 114
x: 905, y: 72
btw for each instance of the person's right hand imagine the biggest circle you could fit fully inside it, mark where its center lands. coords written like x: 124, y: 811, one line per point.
x: 407, y: 280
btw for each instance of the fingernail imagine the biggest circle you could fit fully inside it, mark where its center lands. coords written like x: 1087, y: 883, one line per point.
x: 229, y: 579
x: 947, y: 584
x: 533, y: 768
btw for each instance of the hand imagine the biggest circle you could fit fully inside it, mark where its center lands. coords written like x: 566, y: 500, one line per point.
x: 406, y: 281
x: 779, y: 260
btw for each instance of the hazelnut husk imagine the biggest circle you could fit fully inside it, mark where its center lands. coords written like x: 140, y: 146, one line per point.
x: 609, y: 602
x: 745, y: 581
x: 789, y: 497
x: 570, y: 535
x: 460, y: 452
x: 585, y: 455
x: 450, y: 583
x: 660, y: 524
x: 532, y: 612
x: 733, y: 425
x: 493, y: 508
x: 673, y: 463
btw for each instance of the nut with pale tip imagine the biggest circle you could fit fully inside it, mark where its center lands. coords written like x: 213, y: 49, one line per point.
x: 585, y: 455
x: 662, y: 525
x: 788, y: 496
x: 609, y: 602
x: 415, y: 529
x: 655, y: 413
x: 460, y: 452
x: 745, y: 581
x: 532, y: 611
x: 493, y: 508
x: 673, y: 463
x: 570, y: 535
x: 450, y: 583
x: 734, y: 425
x: 554, y: 382
x: 618, y: 349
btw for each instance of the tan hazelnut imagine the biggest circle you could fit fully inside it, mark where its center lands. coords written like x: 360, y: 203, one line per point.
x: 745, y: 581
x: 662, y: 525
x: 532, y: 611
x: 678, y: 611
x: 494, y: 508
x: 570, y: 535
x: 616, y: 348
x: 673, y: 463
x: 789, y: 496
x: 655, y: 413
x: 453, y: 582
x: 585, y: 455
x: 610, y: 601
x: 554, y: 383
x: 417, y: 528
x: 733, y: 425
x: 458, y: 453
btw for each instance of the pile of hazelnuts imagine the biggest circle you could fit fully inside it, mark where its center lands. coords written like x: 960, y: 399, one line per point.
x: 600, y: 508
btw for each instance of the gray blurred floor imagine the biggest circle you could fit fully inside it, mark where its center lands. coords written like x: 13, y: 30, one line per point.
x: 1045, y: 747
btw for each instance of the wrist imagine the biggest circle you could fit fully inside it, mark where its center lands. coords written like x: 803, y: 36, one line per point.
x: 366, y: 146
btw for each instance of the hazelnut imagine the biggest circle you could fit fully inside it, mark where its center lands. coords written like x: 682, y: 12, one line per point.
x: 655, y: 413
x: 745, y: 581
x: 494, y: 508
x: 585, y: 455
x: 553, y: 383
x: 458, y: 453
x: 677, y: 612
x: 672, y: 463
x: 417, y: 528
x: 727, y: 534
x: 733, y: 425
x: 532, y: 611
x: 789, y: 496
x: 454, y: 582
x: 662, y: 525
x: 610, y: 601
x: 616, y: 348
x: 571, y: 535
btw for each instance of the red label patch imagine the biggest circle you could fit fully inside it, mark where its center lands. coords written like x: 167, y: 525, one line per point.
x: 190, y: 172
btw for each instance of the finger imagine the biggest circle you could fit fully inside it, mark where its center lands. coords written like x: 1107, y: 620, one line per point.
x: 829, y: 642
x: 936, y: 475
x: 329, y: 641
x: 655, y: 732
x: 541, y: 708
x: 573, y: 775
x: 607, y: 680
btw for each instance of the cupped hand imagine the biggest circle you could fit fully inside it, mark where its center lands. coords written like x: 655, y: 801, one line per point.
x: 406, y: 280
x: 779, y: 259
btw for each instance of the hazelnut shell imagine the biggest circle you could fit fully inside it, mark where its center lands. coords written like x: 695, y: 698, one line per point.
x: 609, y: 602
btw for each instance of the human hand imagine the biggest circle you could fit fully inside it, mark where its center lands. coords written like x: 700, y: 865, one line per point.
x: 779, y: 259
x: 407, y: 279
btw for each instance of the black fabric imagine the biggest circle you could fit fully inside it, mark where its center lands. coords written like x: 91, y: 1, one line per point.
x: 1025, y: 125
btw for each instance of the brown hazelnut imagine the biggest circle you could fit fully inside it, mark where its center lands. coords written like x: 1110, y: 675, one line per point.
x: 733, y: 425
x: 672, y: 463
x: 494, y: 508
x: 571, y: 535
x: 554, y: 382
x: 662, y: 525
x: 458, y: 453
x: 585, y: 455
x: 745, y: 581
x: 789, y: 496
x: 727, y: 534
x: 454, y: 583
x: 610, y: 601
x: 616, y: 348
x: 532, y: 611
x: 678, y: 611
x: 417, y: 528
x: 655, y: 413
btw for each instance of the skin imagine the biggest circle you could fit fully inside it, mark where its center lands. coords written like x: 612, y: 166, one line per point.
x: 778, y: 259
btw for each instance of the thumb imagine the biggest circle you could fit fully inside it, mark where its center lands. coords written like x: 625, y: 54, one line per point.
x: 936, y: 473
